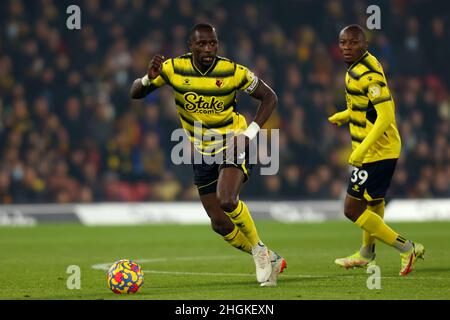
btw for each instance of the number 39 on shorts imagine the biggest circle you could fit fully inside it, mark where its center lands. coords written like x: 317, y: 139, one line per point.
x: 359, y: 176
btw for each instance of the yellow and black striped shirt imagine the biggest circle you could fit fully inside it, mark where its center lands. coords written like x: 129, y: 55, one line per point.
x: 207, y: 97
x: 365, y: 87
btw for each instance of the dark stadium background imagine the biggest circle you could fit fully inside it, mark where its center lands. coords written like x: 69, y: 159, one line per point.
x: 69, y: 132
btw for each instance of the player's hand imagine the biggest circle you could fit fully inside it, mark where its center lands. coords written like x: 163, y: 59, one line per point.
x: 339, y: 118
x: 155, y: 66
x: 357, y: 157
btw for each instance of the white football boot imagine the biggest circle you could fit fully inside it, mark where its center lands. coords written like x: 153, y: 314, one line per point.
x: 278, y: 265
x: 262, y: 262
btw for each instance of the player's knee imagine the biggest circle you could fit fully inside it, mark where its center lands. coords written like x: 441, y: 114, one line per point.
x: 353, y: 208
x: 353, y: 212
x: 350, y: 214
x: 221, y: 226
x: 228, y: 203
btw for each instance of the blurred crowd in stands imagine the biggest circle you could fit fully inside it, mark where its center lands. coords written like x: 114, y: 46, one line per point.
x: 70, y: 133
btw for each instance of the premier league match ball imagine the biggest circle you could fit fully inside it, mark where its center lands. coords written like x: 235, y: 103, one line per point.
x: 125, y: 276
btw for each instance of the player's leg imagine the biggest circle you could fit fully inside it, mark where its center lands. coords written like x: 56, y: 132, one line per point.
x: 234, y: 172
x: 222, y: 224
x: 358, y: 259
x: 228, y: 188
x: 376, y: 227
x: 206, y: 177
x: 368, y: 242
x: 229, y: 185
x: 365, y: 256
x: 359, y: 212
x: 370, y: 184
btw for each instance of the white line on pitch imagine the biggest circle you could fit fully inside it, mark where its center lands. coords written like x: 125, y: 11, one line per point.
x: 223, y: 274
x: 105, y: 266
x: 282, y: 276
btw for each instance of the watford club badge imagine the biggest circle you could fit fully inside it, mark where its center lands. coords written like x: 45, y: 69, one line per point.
x: 219, y: 83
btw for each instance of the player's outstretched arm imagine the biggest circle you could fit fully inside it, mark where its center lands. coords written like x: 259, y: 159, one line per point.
x: 139, y: 88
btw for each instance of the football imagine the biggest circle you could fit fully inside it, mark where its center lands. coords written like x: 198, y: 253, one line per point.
x: 125, y: 276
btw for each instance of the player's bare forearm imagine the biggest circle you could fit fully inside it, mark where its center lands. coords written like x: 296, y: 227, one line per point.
x: 140, y: 86
x: 269, y: 102
x: 138, y: 90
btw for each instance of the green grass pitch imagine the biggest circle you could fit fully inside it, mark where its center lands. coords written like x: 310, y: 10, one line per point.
x: 192, y: 262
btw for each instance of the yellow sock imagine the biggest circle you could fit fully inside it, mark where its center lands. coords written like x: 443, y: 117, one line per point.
x: 368, y: 242
x: 377, y: 228
x: 243, y: 220
x: 238, y: 240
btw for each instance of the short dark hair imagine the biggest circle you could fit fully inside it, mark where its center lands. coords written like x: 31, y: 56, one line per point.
x: 355, y: 28
x: 200, y: 26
